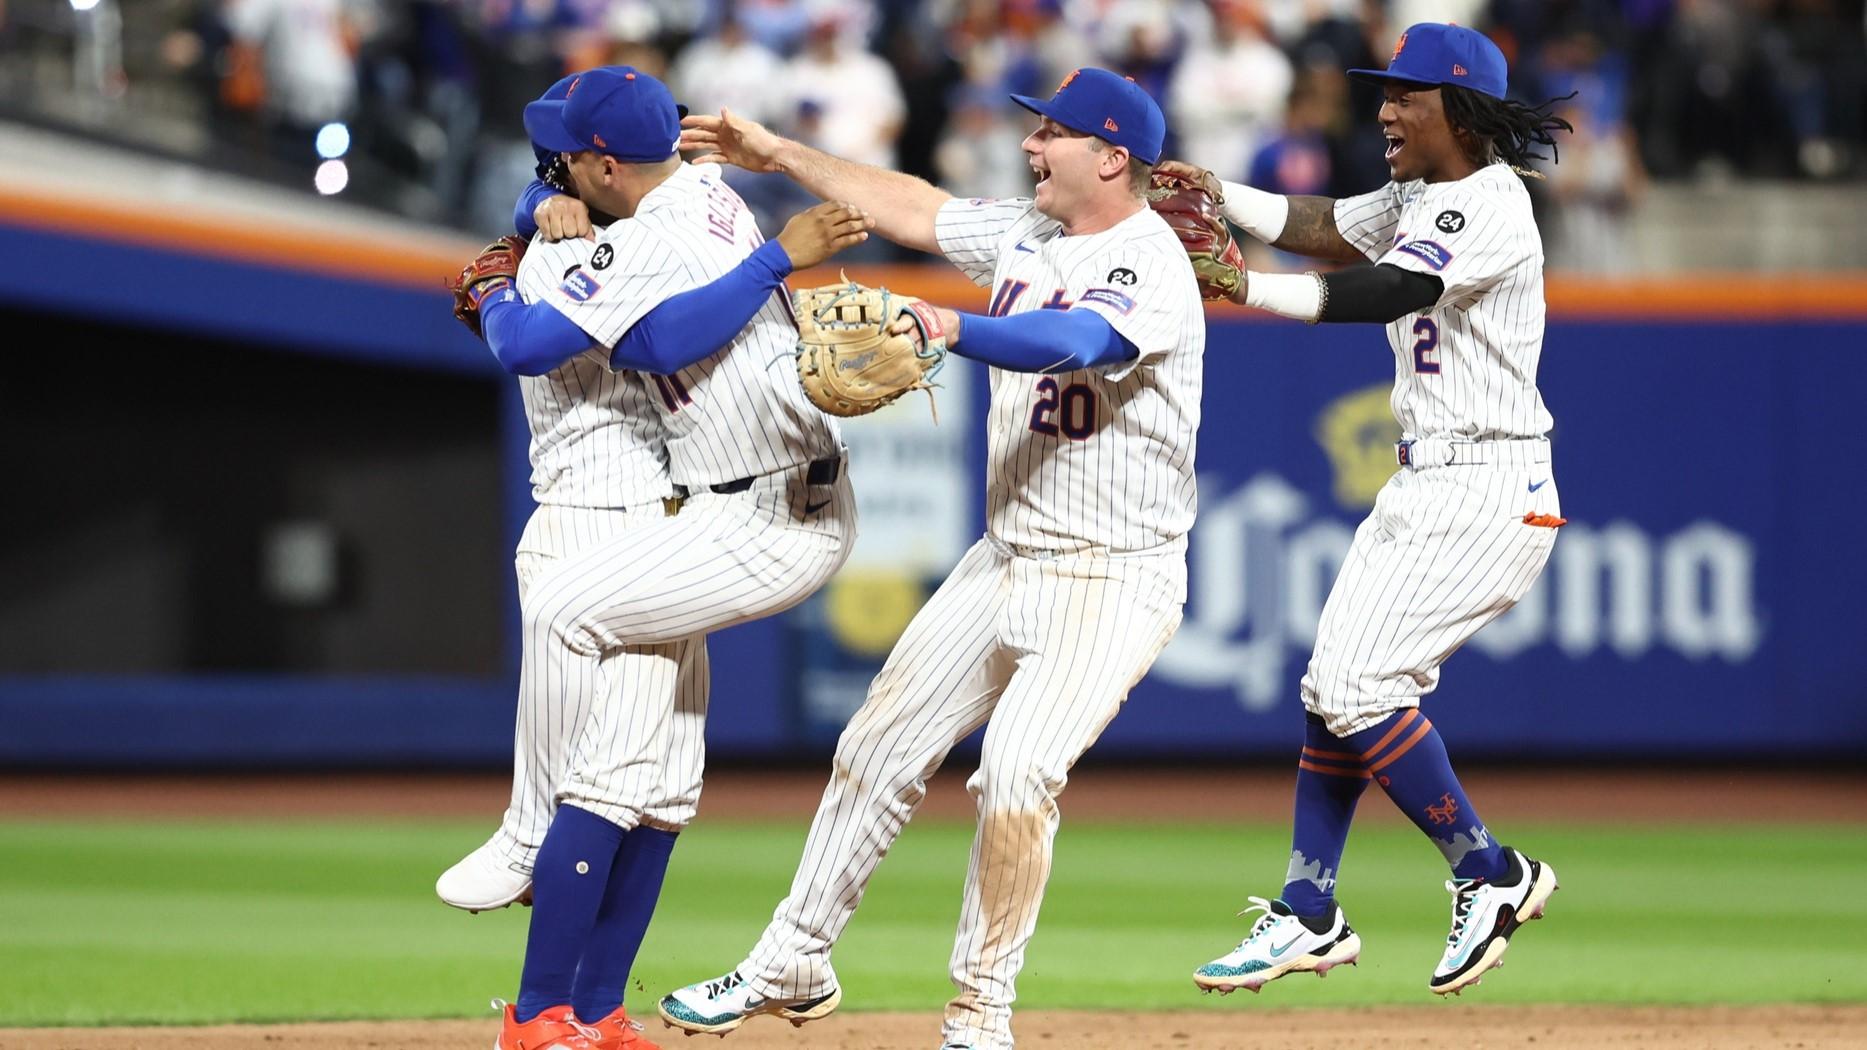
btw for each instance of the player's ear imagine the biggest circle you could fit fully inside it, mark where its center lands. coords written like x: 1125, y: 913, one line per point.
x: 1113, y: 163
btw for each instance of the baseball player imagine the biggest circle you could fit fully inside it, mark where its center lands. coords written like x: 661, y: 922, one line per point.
x: 1460, y: 533
x: 767, y: 518
x: 1095, y: 334
x: 596, y: 446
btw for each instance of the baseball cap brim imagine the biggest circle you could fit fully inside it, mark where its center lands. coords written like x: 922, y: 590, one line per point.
x: 1043, y: 108
x: 544, y: 123
x: 1382, y: 76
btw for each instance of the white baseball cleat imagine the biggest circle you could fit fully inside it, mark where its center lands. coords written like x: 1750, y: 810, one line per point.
x: 1281, y: 942
x: 1485, y: 914
x: 718, y: 1006
x: 484, y: 880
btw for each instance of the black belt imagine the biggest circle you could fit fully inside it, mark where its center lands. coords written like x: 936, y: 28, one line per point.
x: 822, y: 472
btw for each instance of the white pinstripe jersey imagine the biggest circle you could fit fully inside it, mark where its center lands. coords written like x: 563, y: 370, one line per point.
x: 1467, y: 367
x: 1094, y: 457
x: 596, y: 439
x: 733, y: 414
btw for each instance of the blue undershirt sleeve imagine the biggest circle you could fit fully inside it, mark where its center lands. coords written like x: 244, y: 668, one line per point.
x: 529, y: 340
x: 1043, y: 341
x: 535, y: 194
x: 695, y: 324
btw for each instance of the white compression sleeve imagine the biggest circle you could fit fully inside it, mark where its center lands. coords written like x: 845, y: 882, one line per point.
x: 1258, y: 213
x: 1298, y: 295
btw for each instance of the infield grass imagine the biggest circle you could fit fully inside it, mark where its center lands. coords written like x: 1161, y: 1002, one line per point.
x: 184, y: 923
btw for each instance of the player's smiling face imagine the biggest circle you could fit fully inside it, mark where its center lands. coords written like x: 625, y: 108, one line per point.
x: 1070, y: 171
x: 1420, y: 144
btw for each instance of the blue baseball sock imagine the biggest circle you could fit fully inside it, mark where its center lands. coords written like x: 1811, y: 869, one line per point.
x: 1330, y: 780
x: 1408, y: 760
x: 568, y: 880
x: 628, y: 904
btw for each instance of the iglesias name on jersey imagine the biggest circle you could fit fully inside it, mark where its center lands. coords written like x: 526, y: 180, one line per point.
x: 596, y: 440
x: 1467, y: 367
x: 733, y: 414
x: 1095, y: 457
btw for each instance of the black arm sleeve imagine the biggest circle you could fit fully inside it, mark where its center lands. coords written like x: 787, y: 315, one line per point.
x: 1378, y: 293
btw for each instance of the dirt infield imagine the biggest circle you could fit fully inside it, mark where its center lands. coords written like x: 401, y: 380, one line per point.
x: 1672, y: 796
x: 1435, y: 1026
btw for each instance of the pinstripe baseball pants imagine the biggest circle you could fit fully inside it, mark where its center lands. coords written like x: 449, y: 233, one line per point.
x: 1046, y: 648
x: 650, y: 589
x: 1445, y: 552
x: 554, y: 731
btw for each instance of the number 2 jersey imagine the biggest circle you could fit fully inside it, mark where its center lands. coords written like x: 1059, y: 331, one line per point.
x: 1098, y: 457
x: 1466, y: 368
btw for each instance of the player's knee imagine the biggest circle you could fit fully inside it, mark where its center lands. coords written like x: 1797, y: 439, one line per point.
x: 1014, y: 785
x: 563, y: 628
x: 862, y: 754
x: 1343, y: 720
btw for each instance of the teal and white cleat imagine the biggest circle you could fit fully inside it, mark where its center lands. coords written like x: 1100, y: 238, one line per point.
x: 1281, y: 942
x: 1485, y: 914
x: 718, y: 1006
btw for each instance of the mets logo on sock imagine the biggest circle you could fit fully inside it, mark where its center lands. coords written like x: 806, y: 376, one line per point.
x: 1446, y: 812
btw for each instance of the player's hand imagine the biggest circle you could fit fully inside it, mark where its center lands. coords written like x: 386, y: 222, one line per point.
x: 949, y: 323
x: 729, y: 139
x: 1199, y: 176
x: 1244, y: 287
x: 562, y: 217
x: 817, y: 233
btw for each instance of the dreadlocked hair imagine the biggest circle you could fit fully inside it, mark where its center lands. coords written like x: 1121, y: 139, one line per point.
x: 1502, y: 129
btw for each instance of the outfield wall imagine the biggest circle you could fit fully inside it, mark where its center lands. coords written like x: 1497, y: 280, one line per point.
x: 1702, y: 602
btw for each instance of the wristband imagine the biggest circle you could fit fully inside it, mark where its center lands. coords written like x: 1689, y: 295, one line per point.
x: 1262, y: 215
x: 1297, y: 295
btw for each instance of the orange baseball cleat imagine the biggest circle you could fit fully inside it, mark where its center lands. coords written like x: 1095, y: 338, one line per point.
x: 554, y: 1029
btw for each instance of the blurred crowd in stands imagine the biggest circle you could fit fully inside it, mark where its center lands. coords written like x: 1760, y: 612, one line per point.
x: 430, y: 91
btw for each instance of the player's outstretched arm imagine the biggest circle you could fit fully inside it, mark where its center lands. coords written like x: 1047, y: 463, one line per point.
x: 1301, y: 225
x: 695, y: 324
x: 1033, y: 341
x: 904, y: 207
x: 1380, y: 294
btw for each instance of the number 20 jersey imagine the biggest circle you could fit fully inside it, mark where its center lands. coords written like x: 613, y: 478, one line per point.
x: 1097, y: 457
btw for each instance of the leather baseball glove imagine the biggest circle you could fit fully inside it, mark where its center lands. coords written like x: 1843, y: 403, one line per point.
x: 496, y: 267
x: 1193, y: 212
x: 848, y: 362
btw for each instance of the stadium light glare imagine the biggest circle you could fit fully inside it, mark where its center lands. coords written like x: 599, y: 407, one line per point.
x: 83, y: 5
x: 333, y: 140
x: 332, y: 177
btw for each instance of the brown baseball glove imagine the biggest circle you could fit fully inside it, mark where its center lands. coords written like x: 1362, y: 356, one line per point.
x: 848, y: 362
x: 496, y: 267
x: 1193, y: 212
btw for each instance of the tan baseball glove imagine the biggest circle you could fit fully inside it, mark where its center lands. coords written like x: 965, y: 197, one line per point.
x: 848, y: 362
x: 1193, y: 212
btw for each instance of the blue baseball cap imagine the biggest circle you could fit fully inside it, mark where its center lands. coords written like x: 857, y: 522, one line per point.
x: 1107, y: 105
x: 555, y: 93
x: 1435, y: 53
x: 614, y: 110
